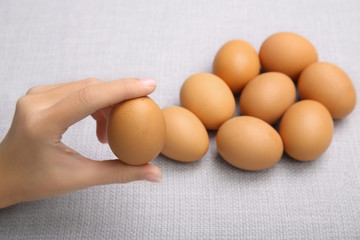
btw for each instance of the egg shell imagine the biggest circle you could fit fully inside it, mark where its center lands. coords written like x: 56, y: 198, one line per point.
x: 288, y: 53
x: 330, y: 85
x: 249, y: 143
x: 136, y: 130
x: 268, y: 96
x: 236, y: 62
x: 186, y: 137
x: 209, y: 98
x: 306, y: 130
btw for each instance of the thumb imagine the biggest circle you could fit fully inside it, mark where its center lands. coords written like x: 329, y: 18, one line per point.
x: 115, y: 171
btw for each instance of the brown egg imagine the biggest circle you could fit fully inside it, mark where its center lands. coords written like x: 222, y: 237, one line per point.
x: 330, y: 85
x: 237, y: 62
x: 209, y: 98
x: 249, y: 143
x: 136, y: 130
x: 186, y: 137
x: 306, y: 130
x: 288, y: 53
x: 268, y: 96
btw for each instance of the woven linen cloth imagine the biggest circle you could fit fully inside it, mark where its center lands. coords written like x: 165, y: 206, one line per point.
x: 47, y: 42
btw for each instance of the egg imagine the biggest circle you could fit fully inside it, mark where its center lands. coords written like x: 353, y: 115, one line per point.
x: 136, y: 130
x: 209, y: 98
x: 186, y: 137
x: 249, y: 143
x: 330, y: 85
x: 288, y: 53
x: 306, y: 130
x: 236, y: 62
x: 268, y: 96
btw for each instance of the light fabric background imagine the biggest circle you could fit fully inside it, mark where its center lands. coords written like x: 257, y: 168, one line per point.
x: 46, y: 42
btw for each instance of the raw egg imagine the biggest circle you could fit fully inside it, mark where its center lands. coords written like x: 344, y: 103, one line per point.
x: 136, y: 130
x: 288, y: 53
x: 268, y: 96
x: 306, y: 130
x: 249, y: 143
x: 209, y: 98
x: 186, y: 137
x: 237, y: 62
x: 330, y: 85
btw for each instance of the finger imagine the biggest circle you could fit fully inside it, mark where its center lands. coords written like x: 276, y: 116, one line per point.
x: 46, y: 96
x: 101, y: 122
x: 41, y: 89
x: 115, y: 171
x: 51, y: 96
x: 91, y: 98
x: 46, y: 88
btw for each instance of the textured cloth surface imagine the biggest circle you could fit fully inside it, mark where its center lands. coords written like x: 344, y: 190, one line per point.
x: 47, y: 42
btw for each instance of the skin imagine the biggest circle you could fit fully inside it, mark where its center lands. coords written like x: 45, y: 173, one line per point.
x: 35, y: 164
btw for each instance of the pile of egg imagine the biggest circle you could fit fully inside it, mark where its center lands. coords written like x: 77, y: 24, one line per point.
x: 273, y: 118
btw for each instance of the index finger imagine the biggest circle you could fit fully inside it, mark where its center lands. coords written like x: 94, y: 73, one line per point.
x: 89, y: 99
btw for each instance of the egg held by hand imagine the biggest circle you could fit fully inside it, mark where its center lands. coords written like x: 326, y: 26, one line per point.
x: 136, y: 130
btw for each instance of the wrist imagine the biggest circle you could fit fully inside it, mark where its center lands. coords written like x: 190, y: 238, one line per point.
x: 6, y: 198
x: 7, y: 183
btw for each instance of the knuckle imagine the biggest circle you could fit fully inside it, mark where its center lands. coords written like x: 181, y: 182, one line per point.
x: 119, y: 178
x: 23, y: 103
x: 33, y: 90
x: 91, y: 81
x: 26, y: 114
x: 128, y: 83
x: 121, y: 175
x: 85, y: 96
x: 127, y: 87
x: 31, y: 126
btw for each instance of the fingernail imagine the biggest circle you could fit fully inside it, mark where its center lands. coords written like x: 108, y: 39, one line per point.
x: 148, y: 81
x: 152, y: 178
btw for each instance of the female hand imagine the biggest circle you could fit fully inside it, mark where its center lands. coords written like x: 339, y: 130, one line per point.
x: 35, y: 164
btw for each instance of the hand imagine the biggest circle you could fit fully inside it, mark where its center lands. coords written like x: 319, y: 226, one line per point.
x: 35, y: 164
